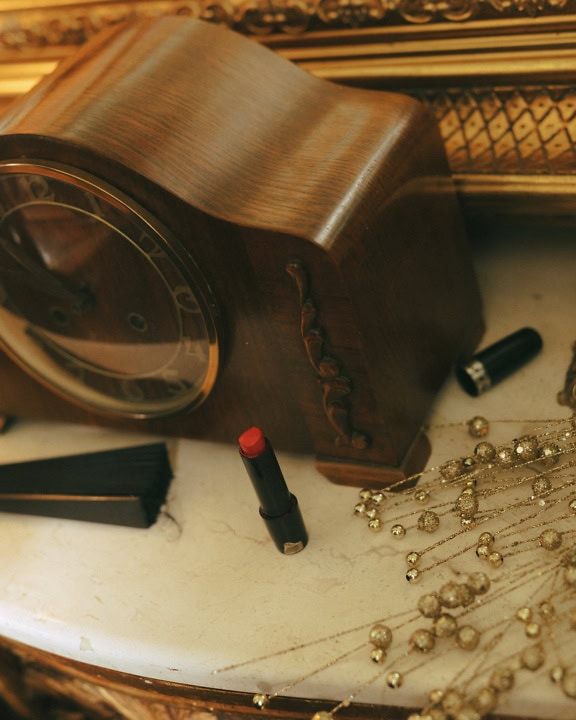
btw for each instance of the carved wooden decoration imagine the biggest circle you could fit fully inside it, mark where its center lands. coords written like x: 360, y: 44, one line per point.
x: 336, y: 387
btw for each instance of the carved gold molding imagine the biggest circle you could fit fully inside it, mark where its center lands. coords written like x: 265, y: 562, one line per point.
x: 499, y: 75
x: 36, y: 685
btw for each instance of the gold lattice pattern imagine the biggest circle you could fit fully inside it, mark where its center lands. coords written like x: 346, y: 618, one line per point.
x: 507, y: 130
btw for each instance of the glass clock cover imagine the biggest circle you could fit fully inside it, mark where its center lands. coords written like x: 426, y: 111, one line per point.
x: 96, y: 300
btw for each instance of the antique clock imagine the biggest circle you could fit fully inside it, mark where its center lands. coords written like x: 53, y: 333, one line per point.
x: 197, y: 236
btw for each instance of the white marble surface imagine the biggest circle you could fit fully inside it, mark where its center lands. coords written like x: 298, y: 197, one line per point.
x: 208, y: 589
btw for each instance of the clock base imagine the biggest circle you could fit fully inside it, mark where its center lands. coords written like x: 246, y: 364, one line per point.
x: 372, y: 475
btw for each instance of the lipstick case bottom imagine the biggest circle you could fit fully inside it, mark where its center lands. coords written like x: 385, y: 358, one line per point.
x: 287, y: 531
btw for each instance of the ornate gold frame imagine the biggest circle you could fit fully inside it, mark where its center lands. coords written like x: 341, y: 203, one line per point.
x: 499, y: 75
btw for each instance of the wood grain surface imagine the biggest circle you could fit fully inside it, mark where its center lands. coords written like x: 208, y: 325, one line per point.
x: 322, y: 217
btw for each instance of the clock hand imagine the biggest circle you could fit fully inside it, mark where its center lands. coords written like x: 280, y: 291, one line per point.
x: 81, y: 300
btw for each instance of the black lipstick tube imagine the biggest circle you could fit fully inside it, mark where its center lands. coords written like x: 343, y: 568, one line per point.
x: 496, y: 362
x: 278, y: 507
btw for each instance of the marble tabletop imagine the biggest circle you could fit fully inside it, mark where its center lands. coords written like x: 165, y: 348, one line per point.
x: 204, y: 588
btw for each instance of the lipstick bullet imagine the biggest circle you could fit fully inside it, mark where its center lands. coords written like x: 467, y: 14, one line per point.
x: 278, y: 506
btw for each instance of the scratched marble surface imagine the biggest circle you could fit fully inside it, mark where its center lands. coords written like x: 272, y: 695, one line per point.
x: 205, y: 588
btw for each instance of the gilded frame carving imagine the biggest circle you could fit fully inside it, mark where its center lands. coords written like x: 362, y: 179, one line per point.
x: 499, y: 75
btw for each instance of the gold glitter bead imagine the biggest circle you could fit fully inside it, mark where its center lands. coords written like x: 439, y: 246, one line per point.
x: 532, y: 657
x: 467, y: 504
x: 372, y: 513
x: 260, y: 700
x: 505, y: 456
x: 572, y: 506
x: 468, y: 463
x: 428, y: 521
x: 524, y: 614
x: 485, y: 700
x: 452, y: 701
x: 468, y: 712
x: 422, y: 496
x: 467, y: 637
x: 435, y: 714
x: 569, y: 557
x: 375, y: 524
x: 378, y: 497
x: 495, y: 559
x: 467, y: 595
x: 445, y: 626
x: 436, y: 696
x: 451, y: 470
x: 394, y: 679
x: 502, y: 679
x: 533, y: 629
x: 398, y: 531
x: 412, y: 559
x: 557, y: 672
x: 546, y: 610
x: 478, y: 582
x: 550, y: 539
x: 413, y: 575
x: 478, y: 426
x: 484, y: 452
x: 569, y: 575
x: 378, y: 655
x: 483, y: 551
x: 568, y: 684
x: 549, y: 454
x: 526, y: 448
x: 541, y: 486
x: 360, y: 509
x: 380, y: 636
x: 365, y: 495
x: 429, y: 605
x: 422, y: 640
x: 450, y: 595
x: 486, y: 538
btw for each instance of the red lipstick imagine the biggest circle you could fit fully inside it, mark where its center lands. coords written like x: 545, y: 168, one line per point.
x: 278, y: 507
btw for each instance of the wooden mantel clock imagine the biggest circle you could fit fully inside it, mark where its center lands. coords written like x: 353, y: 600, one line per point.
x: 197, y: 236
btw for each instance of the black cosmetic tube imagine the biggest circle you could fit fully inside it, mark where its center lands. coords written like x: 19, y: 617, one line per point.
x: 278, y: 506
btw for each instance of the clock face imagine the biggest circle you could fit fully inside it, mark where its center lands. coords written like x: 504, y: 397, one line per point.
x: 96, y: 300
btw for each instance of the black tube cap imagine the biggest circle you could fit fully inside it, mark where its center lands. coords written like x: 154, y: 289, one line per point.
x: 490, y: 366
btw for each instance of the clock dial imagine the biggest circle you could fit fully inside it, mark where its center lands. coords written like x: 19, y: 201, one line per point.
x: 96, y: 300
